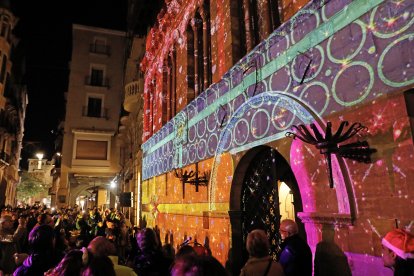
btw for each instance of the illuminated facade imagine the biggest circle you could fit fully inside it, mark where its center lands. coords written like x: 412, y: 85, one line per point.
x: 225, y: 80
x: 13, y: 101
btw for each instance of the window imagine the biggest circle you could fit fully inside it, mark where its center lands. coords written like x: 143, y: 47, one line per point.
x: 99, y: 46
x: 94, y: 107
x: 91, y: 150
x: 97, y: 77
x: 5, y: 26
x: 258, y: 19
x: 3, y: 69
x: 190, y: 64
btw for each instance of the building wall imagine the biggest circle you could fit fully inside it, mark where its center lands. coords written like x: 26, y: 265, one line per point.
x: 13, y: 101
x: 87, y: 54
x: 335, y: 61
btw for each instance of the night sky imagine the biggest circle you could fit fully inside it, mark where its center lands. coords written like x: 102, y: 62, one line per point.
x: 45, y: 31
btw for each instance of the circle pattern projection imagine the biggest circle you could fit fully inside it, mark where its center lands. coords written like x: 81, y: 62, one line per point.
x: 389, y: 21
x: 263, y: 105
x: 407, y: 68
x: 371, y: 56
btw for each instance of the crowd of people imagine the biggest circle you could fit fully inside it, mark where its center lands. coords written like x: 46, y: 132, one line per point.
x: 40, y: 241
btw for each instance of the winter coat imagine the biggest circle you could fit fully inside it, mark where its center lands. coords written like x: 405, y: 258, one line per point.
x: 257, y: 267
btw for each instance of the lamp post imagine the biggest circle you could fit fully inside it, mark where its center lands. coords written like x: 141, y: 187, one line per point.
x: 39, y: 156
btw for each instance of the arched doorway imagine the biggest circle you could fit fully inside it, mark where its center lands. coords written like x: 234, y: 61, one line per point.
x: 264, y: 191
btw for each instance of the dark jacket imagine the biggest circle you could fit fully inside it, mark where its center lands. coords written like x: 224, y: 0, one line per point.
x: 152, y: 263
x: 257, y: 266
x: 34, y: 265
x: 295, y: 257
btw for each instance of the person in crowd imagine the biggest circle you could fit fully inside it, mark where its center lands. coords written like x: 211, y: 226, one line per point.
x: 41, y: 258
x: 7, y: 245
x: 20, y: 235
x: 99, y: 266
x: 259, y: 262
x: 123, y: 241
x: 71, y: 265
x: 295, y: 255
x: 150, y: 260
x: 398, y: 252
x: 329, y: 257
x: 197, y: 265
x: 44, y: 218
x: 82, y: 224
x: 100, y: 246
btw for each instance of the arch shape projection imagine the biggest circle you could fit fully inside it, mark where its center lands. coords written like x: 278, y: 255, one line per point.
x: 300, y: 113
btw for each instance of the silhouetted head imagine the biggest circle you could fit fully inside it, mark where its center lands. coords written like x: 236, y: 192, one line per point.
x: 257, y: 243
x: 196, y: 265
x: 41, y: 239
x: 101, y: 246
x: 70, y: 265
x: 147, y: 240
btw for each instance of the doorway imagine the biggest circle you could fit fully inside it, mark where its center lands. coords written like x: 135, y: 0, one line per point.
x: 267, y: 192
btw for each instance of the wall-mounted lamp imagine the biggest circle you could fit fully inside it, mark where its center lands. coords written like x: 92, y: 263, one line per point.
x: 358, y: 151
x: 192, y: 178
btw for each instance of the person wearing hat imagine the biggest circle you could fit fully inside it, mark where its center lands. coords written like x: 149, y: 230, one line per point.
x: 398, y: 252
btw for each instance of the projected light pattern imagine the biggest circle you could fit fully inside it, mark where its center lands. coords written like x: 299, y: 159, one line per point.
x: 344, y: 57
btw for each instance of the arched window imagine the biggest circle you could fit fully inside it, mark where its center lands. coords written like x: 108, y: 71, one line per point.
x: 260, y: 18
x: 169, y: 88
x: 198, y: 54
x: 205, y: 14
x: 190, y: 63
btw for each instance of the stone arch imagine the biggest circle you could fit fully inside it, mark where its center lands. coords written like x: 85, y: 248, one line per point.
x: 344, y: 190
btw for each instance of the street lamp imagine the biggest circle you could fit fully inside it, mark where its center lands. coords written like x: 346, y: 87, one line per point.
x: 39, y: 156
x: 113, y: 184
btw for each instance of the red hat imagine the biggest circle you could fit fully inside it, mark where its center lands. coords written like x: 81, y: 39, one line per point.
x: 400, y: 242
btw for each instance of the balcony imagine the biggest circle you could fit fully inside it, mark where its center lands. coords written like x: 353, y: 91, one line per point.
x: 132, y: 94
x: 124, y: 120
x: 4, y: 158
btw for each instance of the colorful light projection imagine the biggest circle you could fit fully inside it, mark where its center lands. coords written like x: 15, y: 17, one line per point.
x: 165, y: 206
x: 338, y: 77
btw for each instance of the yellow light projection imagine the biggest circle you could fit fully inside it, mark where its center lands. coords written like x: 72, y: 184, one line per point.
x: 189, y: 216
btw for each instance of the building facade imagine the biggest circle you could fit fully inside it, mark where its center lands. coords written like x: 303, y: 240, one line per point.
x: 90, y: 153
x: 225, y: 81
x: 131, y: 125
x: 13, y: 101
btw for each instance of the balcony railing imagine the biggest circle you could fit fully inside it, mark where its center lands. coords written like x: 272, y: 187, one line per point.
x: 99, y: 82
x: 4, y: 157
x: 95, y: 114
x: 99, y: 49
x: 132, y: 94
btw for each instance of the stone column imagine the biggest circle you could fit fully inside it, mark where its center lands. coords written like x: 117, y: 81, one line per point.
x: 263, y: 16
x: 248, y: 25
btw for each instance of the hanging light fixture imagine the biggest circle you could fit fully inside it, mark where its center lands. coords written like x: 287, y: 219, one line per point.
x: 358, y: 151
x: 192, y: 178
